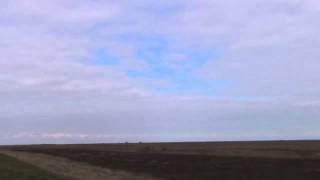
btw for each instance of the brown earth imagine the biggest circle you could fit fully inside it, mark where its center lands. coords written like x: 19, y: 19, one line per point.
x: 283, y: 160
x: 72, y: 169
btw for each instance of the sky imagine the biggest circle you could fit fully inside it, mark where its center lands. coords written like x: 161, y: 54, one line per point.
x: 93, y: 71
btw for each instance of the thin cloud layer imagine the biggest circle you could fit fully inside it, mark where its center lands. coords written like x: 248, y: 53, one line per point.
x: 107, y: 71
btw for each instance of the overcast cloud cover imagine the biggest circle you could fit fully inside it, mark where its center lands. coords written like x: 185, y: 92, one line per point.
x: 147, y: 70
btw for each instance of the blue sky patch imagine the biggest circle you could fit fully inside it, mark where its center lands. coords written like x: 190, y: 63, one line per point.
x: 154, y: 52
x: 102, y: 57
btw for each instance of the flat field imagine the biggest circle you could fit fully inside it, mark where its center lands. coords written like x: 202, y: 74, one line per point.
x: 12, y: 169
x: 264, y: 160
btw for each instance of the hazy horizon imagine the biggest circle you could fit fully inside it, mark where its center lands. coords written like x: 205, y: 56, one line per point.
x: 99, y: 71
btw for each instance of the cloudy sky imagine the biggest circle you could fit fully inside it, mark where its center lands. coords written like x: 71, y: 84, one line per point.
x: 77, y: 71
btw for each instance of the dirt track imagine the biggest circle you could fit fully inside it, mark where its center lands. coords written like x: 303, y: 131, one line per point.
x: 258, y: 160
x: 197, y: 167
x: 72, y: 169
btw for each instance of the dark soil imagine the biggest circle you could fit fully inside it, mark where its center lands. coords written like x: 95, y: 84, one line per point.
x: 195, y: 166
x: 13, y: 169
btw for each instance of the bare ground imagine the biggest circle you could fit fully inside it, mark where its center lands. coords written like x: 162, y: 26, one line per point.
x: 72, y: 169
x: 271, y: 160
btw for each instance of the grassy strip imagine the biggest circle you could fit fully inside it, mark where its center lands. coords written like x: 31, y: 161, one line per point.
x: 13, y: 169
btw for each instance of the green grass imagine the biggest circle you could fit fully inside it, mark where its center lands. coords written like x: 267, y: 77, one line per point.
x: 13, y: 169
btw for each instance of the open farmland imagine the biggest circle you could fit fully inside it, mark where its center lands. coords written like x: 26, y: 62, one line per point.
x: 270, y: 160
x: 67, y: 168
x: 13, y: 169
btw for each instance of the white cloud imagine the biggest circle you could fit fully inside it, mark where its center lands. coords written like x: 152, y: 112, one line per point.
x: 271, y: 51
x: 60, y: 11
x: 266, y: 51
